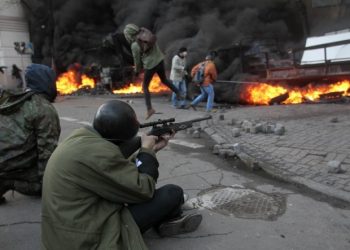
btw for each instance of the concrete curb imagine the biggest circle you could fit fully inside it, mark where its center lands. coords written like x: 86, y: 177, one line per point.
x: 272, y: 167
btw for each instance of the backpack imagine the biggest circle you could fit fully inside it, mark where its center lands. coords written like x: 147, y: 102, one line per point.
x: 199, y: 75
x: 146, y: 39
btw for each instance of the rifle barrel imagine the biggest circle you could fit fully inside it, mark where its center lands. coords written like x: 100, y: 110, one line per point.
x: 200, y: 119
x: 188, y: 124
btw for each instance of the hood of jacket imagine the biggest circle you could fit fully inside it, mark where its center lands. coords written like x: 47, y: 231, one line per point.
x: 130, y: 32
x: 11, y: 100
x: 41, y: 79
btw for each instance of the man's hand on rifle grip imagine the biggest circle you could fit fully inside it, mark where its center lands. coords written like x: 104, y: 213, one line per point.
x: 148, y: 141
x: 162, y: 141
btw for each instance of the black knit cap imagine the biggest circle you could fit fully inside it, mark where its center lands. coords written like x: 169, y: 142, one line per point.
x: 182, y: 49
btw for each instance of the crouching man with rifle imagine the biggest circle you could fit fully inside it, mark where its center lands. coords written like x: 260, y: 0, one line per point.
x: 95, y: 197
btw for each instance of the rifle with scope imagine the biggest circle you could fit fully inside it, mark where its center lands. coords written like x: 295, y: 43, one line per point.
x: 159, y: 128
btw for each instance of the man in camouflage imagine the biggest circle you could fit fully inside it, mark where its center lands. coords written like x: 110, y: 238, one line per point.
x: 29, y: 132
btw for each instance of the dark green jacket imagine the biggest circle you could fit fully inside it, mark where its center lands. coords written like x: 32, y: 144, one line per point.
x: 29, y: 132
x: 143, y: 60
x: 149, y: 59
x: 86, y: 187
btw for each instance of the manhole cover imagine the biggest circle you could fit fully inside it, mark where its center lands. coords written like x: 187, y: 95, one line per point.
x: 241, y: 202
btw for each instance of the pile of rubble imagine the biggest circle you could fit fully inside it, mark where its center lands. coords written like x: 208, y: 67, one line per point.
x: 255, y: 127
x: 232, y: 149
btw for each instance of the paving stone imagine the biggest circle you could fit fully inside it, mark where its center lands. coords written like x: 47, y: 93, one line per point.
x: 330, y: 156
x: 319, y: 153
x: 290, y: 159
x: 294, y: 151
x: 341, y: 157
x: 308, y: 158
x: 346, y: 188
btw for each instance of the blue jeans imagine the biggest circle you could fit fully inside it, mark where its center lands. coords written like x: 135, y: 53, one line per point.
x: 181, y: 86
x: 208, y: 92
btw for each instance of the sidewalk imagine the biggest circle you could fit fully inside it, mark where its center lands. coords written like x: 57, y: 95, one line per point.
x: 314, y: 136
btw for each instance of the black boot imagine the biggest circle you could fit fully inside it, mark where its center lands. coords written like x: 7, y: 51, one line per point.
x: 184, y: 224
x: 5, y: 186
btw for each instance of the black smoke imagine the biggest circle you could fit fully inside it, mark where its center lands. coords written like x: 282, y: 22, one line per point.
x: 68, y: 31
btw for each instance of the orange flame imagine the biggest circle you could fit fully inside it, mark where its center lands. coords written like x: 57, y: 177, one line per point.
x: 71, y: 81
x: 263, y: 93
x: 155, y: 86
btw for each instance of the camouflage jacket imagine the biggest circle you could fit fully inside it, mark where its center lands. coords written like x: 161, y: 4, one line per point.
x: 29, y: 132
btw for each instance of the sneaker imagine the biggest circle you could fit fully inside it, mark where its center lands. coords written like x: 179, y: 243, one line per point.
x: 184, y: 224
x: 193, y: 107
x: 150, y: 112
x: 212, y: 111
x: 4, y: 187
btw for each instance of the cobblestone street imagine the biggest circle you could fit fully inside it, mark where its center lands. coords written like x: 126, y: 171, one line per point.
x: 315, y: 136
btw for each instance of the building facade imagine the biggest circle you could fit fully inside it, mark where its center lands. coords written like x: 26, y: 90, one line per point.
x: 13, y: 28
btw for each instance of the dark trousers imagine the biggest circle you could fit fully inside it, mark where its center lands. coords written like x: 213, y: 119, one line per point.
x: 165, y: 204
x: 160, y: 70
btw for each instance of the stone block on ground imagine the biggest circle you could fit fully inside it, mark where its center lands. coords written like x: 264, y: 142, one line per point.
x: 190, y: 131
x: 258, y: 127
x: 279, y: 129
x: 237, y: 147
x: 227, y: 153
x: 236, y: 132
x: 196, y: 134
x: 218, y: 139
x: 335, y: 167
x: 267, y: 128
x: 239, y: 124
x: 233, y: 122
x: 334, y: 120
x: 216, y: 149
x: 248, y: 126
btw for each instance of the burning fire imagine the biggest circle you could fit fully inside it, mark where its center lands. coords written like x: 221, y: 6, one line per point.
x: 155, y: 86
x: 263, y: 93
x: 71, y: 81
